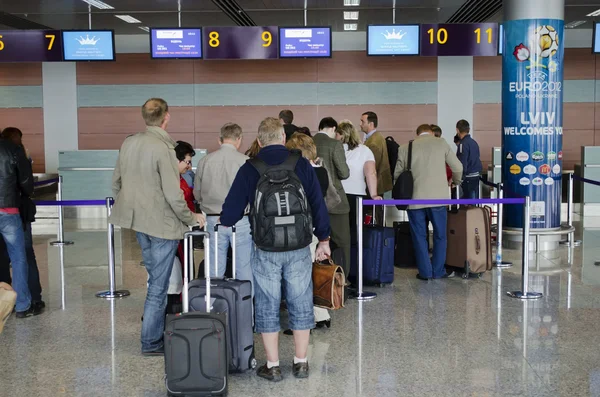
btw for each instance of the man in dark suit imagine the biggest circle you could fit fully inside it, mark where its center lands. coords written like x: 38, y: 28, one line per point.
x: 331, y: 153
x: 286, y: 117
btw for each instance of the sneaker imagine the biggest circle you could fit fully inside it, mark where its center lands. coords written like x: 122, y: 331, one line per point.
x: 32, y: 311
x: 271, y: 374
x: 300, y: 370
x: 157, y: 352
x: 422, y: 278
x: 40, y: 304
x: 451, y: 274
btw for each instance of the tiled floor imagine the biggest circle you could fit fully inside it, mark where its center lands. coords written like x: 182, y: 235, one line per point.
x: 439, y: 338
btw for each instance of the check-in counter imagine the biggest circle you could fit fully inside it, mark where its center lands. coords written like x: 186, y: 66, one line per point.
x: 589, y: 169
x: 87, y: 175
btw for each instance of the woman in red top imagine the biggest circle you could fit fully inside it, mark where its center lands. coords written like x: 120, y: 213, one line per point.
x: 184, y: 152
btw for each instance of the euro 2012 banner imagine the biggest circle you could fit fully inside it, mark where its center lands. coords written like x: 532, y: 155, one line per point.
x: 532, y: 119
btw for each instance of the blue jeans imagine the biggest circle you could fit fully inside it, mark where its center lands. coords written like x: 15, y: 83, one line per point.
x: 293, y: 271
x: 470, y: 188
x: 11, y: 229
x: 243, y: 245
x: 438, y: 216
x: 158, y: 255
x: 33, y: 279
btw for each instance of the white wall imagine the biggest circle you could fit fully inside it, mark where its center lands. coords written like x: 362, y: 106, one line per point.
x: 59, y: 92
x: 455, y: 94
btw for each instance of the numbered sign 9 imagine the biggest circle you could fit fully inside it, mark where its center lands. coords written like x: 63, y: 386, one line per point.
x: 241, y: 42
x: 30, y: 46
x: 470, y: 39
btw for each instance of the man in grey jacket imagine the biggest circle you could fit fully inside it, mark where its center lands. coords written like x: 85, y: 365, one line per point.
x: 148, y: 199
x: 429, y: 158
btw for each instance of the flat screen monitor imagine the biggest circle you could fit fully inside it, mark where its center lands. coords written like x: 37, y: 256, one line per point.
x: 88, y: 45
x: 500, y: 39
x: 393, y: 40
x: 596, y: 39
x: 305, y: 42
x: 174, y: 43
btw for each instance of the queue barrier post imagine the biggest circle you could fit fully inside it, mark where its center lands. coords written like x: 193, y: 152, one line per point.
x: 111, y: 293
x: 499, y: 263
x: 61, y: 218
x: 361, y: 295
x: 570, y: 242
x: 524, y: 293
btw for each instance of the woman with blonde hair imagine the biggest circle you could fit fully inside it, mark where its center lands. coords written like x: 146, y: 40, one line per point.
x: 253, y: 149
x: 361, y: 161
x: 305, y: 144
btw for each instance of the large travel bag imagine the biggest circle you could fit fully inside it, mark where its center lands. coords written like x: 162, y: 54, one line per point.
x: 233, y: 297
x: 469, y: 243
x: 196, y: 352
x: 378, y: 255
x: 404, y: 250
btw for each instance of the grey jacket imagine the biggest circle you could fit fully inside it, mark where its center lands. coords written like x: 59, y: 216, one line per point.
x: 146, y: 183
x: 429, y: 158
x: 331, y: 152
x: 214, y: 176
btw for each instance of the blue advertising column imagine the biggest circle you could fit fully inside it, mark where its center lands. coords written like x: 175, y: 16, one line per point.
x: 532, y: 109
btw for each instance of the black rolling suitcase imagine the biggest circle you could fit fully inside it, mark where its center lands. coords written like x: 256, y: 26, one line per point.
x: 233, y: 297
x: 404, y: 250
x: 196, y: 351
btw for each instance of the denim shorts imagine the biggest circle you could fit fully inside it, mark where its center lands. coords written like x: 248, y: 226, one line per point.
x: 293, y: 271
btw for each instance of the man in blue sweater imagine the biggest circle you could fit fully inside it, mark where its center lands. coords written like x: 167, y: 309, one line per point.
x: 272, y: 269
x: 468, y: 154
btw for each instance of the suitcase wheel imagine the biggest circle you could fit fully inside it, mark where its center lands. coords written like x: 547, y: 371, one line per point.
x: 252, y: 362
x: 465, y: 276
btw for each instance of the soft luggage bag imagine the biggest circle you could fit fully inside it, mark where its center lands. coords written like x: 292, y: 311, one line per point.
x: 233, y: 297
x: 378, y: 255
x: 196, y: 351
x: 404, y: 249
x: 469, y: 242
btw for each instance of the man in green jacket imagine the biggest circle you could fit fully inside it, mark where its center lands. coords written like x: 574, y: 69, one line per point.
x: 331, y: 153
x: 148, y: 199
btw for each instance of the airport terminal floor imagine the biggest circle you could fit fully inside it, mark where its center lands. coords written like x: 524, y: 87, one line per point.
x: 450, y: 337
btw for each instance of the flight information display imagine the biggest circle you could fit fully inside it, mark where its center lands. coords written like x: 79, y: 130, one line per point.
x: 305, y: 42
x: 176, y: 43
x: 469, y: 39
x: 30, y: 46
x: 596, y: 39
x: 241, y: 42
x: 88, y: 45
x: 393, y: 40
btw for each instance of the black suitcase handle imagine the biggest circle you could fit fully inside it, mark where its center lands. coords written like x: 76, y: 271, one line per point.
x: 232, y: 248
x: 188, y: 261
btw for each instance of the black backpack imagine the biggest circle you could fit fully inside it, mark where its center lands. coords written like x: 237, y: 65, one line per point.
x: 281, y: 218
x: 392, y: 149
x: 403, y: 189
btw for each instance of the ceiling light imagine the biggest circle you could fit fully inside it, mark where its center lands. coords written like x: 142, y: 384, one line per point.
x: 99, y: 4
x: 144, y: 28
x: 351, y: 3
x: 351, y: 15
x: 128, y: 18
x: 350, y: 26
x: 574, y: 24
x: 594, y: 14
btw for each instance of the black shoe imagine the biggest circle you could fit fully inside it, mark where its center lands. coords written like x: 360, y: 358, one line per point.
x: 39, y: 304
x: 323, y: 324
x: 271, y: 374
x: 151, y: 353
x: 422, y: 278
x: 32, y: 311
x: 300, y: 370
x: 451, y: 274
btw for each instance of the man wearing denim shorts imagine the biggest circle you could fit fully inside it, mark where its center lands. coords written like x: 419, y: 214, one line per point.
x: 290, y: 269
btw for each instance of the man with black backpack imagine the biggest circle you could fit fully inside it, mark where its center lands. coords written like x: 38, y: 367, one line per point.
x: 286, y: 203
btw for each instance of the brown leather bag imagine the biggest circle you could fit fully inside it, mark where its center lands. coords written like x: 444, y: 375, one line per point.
x: 328, y: 285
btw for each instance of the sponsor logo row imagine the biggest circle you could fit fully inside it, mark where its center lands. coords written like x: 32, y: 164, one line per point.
x: 530, y: 169
x: 535, y: 156
x: 537, y: 181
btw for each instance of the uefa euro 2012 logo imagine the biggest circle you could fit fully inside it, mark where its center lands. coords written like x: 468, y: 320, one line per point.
x: 543, y: 42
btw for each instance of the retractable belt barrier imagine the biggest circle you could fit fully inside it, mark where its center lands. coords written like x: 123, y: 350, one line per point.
x: 111, y: 292
x: 46, y: 182
x: 525, y: 201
